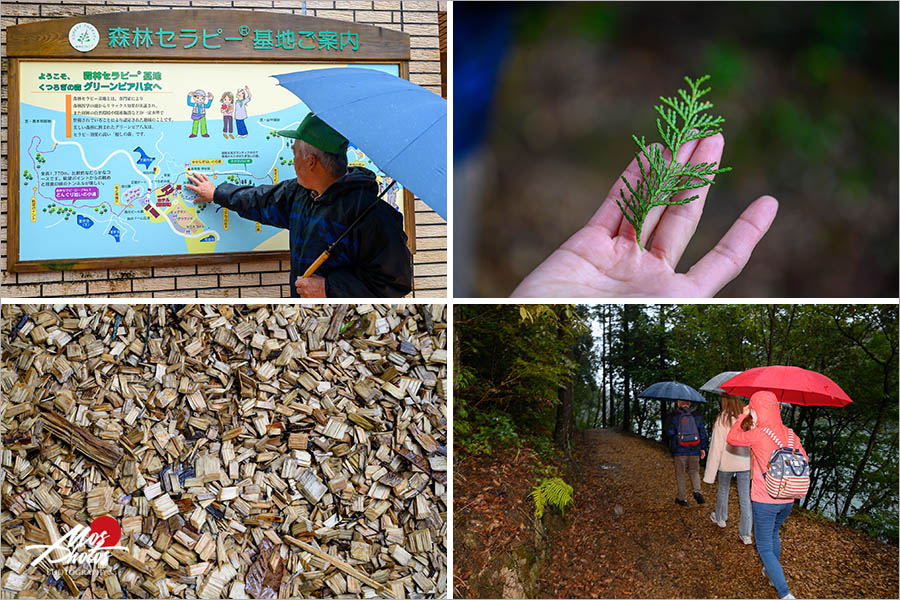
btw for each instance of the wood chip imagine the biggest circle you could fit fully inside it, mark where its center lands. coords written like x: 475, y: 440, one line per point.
x: 164, y: 507
x: 99, y: 501
x: 247, y: 451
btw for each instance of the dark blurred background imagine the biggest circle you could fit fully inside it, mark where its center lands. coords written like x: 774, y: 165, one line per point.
x: 547, y: 95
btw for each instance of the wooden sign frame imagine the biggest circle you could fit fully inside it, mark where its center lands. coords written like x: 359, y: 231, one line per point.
x: 49, y: 41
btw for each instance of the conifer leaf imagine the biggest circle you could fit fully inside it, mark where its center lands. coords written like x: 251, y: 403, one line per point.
x: 660, y: 179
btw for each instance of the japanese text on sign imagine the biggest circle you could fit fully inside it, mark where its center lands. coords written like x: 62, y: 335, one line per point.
x: 211, y: 39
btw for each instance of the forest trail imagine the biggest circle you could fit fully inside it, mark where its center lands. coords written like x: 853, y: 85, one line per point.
x: 626, y: 538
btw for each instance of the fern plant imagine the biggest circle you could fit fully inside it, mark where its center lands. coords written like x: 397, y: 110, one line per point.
x: 661, y: 179
x: 553, y: 491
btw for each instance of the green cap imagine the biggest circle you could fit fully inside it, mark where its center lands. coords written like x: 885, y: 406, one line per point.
x: 317, y: 133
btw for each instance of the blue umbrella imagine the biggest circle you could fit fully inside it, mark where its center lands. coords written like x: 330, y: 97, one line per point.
x: 672, y: 390
x: 401, y: 126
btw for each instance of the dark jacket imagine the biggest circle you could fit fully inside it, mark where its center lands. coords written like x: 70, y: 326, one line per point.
x: 372, y: 261
x: 671, y: 431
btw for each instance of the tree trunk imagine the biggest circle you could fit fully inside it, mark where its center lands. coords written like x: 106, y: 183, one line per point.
x: 663, y: 369
x: 626, y: 338
x: 596, y: 412
x: 609, y: 413
x: 562, y: 434
x: 602, y: 397
x: 857, y: 474
x: 770, y: 345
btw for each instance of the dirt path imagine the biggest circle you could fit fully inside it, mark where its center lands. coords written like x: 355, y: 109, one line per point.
x: 626, y: 538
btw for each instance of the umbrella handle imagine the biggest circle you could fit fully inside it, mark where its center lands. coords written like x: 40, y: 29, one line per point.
x: 313, y: 267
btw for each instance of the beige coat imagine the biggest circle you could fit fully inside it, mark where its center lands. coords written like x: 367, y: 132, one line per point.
x: 723, y: 456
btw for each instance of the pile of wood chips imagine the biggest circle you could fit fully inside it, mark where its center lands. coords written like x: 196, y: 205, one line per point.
x: 274, y: 451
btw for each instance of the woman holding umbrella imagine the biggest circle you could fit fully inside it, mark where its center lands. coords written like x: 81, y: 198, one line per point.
x: 771, y: 505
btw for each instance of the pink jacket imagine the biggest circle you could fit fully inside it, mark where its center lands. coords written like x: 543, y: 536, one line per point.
x: 765, y: 405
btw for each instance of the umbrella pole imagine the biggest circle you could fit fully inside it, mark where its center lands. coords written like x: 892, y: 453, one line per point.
x: 324, y: 256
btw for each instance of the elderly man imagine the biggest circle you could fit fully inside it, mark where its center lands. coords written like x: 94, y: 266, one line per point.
x: 317, y: 207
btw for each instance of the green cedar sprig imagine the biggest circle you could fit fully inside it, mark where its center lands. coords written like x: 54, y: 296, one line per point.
x: 661, y: 179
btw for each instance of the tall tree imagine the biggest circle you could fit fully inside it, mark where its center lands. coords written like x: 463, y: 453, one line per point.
x: 662, y: 364
x: 877, y: 323
x: 627, y: 311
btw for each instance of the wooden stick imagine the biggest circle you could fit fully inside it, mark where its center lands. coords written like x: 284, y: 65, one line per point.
x: 49, y: 525
x: 343, y: 566
x: 88, y: 444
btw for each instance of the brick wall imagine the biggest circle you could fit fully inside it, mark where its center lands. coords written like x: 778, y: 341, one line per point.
x: 245, y: 279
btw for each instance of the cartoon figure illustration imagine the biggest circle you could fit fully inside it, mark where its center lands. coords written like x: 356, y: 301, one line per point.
x: 201, y: 101
x: 227, y: 101
x: 240, y: 110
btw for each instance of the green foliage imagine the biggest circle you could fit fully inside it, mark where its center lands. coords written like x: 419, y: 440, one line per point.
x: 661, y: 179
x: 510, y: 364
x: 511, y: 361
x: 544, y: 448
x: 553, y: 491
x: 484, y: 432
x: 545, y: 471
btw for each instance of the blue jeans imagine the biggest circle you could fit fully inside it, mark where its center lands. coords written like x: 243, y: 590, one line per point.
x: 767, y: 520
x: 743, y: 487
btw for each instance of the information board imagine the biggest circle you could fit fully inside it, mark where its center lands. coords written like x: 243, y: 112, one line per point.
x: 104, y: 149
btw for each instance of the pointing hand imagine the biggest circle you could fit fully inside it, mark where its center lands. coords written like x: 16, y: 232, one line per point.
x: 202, y: 186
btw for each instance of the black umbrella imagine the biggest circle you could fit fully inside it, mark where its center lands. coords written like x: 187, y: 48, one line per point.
x: 672, y: 390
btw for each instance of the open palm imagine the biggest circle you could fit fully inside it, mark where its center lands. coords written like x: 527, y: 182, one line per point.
x: 603, y: 258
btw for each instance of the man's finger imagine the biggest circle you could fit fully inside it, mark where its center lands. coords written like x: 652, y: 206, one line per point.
x: 725, y: 262
x: 608, y: 217
x: 678, y: 223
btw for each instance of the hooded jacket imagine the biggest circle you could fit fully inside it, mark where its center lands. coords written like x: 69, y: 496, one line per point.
x: 672, y: 433
x: 765, y: 405
x: 722, y: 455
x: 372, y: 261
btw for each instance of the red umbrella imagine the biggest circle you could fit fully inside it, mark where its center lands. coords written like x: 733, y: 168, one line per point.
x: 790, y: 384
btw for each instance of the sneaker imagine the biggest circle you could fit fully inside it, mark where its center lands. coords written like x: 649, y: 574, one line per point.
x: 714, y: 519
x: 789, y: 596
x: 766, y: 575
x: 205, y: 135
x: 192, y: 135
x: 680, y: 502
x: 699, y: 498
x: 747, y: 539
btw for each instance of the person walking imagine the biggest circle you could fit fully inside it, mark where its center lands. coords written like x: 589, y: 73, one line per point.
x: 688, y: 443
x: 780, y: 474
x: 729, y: 462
